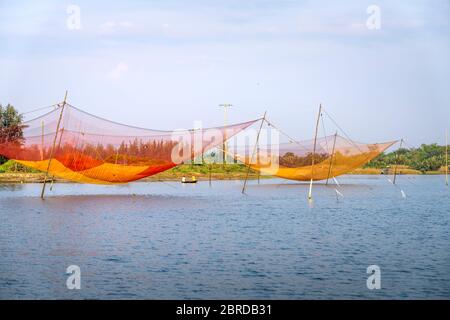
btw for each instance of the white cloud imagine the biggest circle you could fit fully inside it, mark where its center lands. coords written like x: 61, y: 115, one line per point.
x: 114, y: 26
x: 118, y: 71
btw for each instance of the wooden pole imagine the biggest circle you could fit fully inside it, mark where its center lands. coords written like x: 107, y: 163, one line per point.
x: 210, y: 165
x: 203, y: 154
x: 192, y: 148
x: 331, y: 160
x: 314, y: 153
x: 446, y: 157
x: 257, y: 161
x: 396, y: 162
x: 225, y: 145
x: 225, y: 120
x: 42, y: 141
x: 59, y: 145
x: 53, y: 147
x: 253, y: 153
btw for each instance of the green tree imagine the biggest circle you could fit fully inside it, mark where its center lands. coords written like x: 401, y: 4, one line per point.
x: 11, y: 127
x: 428, y: 157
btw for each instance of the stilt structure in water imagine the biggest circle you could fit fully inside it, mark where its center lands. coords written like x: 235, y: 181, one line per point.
x: 396, y: 162
x: 331, y: 158
x: 314, y: 154
x: 312, y: 160
x: 71, y: 144
x: 52, y: 152
x: 254, y: 150
x: 210, y: 168
x: 88, y: 149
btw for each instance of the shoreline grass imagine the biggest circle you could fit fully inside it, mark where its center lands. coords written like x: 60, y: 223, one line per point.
x: 202, y: 173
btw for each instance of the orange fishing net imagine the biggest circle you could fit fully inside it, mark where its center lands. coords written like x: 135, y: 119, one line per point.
x: 90, y: 149
x: 334, y: 156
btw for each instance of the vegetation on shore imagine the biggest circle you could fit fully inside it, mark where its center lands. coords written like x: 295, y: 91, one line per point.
x: 426, y: 158
x: 10, y: 126
x: 14, y: 172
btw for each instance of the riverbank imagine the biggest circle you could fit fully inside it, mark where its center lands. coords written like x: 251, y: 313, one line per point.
x: 39, y: 177
x: 203, y: 172
x: 200, y: 172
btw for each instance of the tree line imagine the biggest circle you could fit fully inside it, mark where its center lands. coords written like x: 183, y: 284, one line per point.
x: 427, y: 157
x: 10, y: 126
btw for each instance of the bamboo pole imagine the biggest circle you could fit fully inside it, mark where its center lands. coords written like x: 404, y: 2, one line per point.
x: 210, y: 168
x: 253, y: 153
x: 225, y: 144
x: 53, y: 147
x: 331, y: 159
x: 59, y: 145
x: 42, y: 141
x: 258, y: 161
x: 314, y: 153
x: 225, y: 120
x: 396, y: 162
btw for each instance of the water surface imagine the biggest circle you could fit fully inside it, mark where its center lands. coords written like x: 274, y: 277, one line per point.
x: 171, y: 241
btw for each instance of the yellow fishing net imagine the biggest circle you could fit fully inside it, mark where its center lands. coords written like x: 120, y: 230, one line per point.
x: 333, y: 156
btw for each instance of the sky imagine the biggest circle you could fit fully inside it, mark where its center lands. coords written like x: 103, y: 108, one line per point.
x: 380, y: 68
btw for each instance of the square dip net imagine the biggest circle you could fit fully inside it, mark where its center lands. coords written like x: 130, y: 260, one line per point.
x: 316, y: 159
x: 74, y: 145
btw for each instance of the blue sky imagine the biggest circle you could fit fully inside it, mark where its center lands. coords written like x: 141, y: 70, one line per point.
x: 165, y: 64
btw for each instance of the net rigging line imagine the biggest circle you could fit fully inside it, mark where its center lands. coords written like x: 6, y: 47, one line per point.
x: 352, y: 142
x: 39, y: 109
x: 117, y: 123
x: 324, y: 132
x: 408, y: 147
x: 162, y: 132
x: 342, y: 130
x: 84, y: 147
x: 291, y: 140
x: 331, y: 156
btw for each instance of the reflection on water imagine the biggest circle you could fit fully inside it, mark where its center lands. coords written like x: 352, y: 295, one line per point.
x: 168, y: 240
x: 11, y: 186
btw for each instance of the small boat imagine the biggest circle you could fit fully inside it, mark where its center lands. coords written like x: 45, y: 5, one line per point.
x: 193, y: 180
x: 189, y: 181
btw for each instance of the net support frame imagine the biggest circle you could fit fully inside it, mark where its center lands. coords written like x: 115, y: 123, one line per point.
x: 53, y: 147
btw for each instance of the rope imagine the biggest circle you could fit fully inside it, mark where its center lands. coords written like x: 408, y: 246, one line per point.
x: 39, y: 109
x: 291, y: 140
x: 153, y: 130
x: 342, y: 130
x: 407, y: 144
x: 346, y: 135
x: 253, y: 153
x: 324, y: 132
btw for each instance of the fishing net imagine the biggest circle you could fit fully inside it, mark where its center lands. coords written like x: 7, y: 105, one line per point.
x: 296, y: 160
x: 89, y: 149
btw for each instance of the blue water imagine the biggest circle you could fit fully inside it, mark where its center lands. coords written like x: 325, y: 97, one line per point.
x: 172, y: 241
